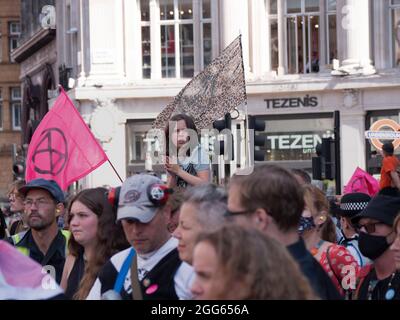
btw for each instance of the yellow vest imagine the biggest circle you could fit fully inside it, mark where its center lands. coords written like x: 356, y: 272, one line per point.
x: 25, y: 251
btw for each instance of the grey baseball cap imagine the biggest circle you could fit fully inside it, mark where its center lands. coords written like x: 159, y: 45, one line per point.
x: 134, y: 202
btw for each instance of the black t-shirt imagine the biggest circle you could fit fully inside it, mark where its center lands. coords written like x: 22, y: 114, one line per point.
x: 374, y: 289
x: 75, y: 276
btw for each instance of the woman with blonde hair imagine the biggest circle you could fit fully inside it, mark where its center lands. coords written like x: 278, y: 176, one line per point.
x: 239, y: 263
x: 318, y: 231
x: 95, y: 237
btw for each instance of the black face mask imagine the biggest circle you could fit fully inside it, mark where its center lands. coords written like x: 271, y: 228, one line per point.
x: 372, y: 247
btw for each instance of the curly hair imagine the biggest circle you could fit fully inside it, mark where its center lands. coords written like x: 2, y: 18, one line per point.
x: 264, y: 270
x: 110, y: 237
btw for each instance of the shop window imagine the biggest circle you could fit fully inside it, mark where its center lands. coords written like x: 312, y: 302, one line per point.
x: 294, y: 138
x: 373, y: 156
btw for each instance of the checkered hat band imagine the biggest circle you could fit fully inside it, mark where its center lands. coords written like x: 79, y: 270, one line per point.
x: 353, y: 206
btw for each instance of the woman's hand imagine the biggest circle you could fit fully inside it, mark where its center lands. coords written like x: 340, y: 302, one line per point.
x: 173, y: 168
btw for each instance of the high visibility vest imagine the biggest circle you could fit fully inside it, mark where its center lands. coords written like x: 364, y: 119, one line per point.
x: 25, y: 251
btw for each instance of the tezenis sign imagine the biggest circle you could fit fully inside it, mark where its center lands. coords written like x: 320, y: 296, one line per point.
x: 307, y: 101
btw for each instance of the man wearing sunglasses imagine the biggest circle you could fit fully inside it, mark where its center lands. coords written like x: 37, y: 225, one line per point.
x: 378, y: 281
x: 271, y: 200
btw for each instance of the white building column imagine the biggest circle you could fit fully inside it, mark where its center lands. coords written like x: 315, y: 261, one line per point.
x: 352, y: 143
x: 354, y: 33
x: 381, y: 35
x: 281, y: 38
x: 322, y: 36
x: 234, y: 21
x: 260, y: 39
x: 155, y: 42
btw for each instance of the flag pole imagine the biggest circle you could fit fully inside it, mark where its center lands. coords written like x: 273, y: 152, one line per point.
x: 249, y: 162
x: 115, y: 171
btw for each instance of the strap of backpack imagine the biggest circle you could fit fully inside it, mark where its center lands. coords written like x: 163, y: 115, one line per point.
x: 136, y: 290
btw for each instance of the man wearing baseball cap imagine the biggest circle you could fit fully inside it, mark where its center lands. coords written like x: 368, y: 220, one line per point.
x: 378, y: 281
x: 151, y: 268
x: 352, y: 204
x: 44, y: 242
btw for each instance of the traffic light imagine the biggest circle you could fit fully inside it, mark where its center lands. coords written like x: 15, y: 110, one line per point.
x: 323, y: 166
x: 19, y: 170
x: 257, y: 141
x: 220, y: 125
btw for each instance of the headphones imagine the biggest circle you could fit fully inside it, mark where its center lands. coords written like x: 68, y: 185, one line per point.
x: 113, y: 197
x: 158, y: 194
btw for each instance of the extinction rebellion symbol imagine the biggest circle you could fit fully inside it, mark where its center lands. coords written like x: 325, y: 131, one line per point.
x: 51, y: 153
x: 376, y: 134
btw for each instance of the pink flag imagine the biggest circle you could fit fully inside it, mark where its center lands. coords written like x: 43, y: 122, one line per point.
x: 21, y: 278
x: 63, y: 148
x: 363, y: 182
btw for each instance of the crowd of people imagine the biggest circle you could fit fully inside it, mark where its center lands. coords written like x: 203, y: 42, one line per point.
x: 270, y: 234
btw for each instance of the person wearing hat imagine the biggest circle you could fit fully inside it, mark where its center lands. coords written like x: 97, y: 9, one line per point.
x: 390, y: 163
x: 43, y: 242
x: 352, y: 204
x: 379, y: 281
x: 150, y: 268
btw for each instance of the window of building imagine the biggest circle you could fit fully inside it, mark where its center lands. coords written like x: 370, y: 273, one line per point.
x: 302, y: 32
x: 1, y: 45
x: 14, y: 33
x: 395, y: 31
x: 15, y: 103
x: 331, y: 31
x: 186, y: 36
x: 146, y: 43
x: 1, y: 110
x: 302, y: 26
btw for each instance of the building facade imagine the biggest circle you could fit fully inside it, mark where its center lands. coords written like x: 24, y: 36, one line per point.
x: 304, y: 60
x: 10, y: 92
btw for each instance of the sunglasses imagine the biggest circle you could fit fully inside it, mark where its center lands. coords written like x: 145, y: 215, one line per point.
x: 369, y: 227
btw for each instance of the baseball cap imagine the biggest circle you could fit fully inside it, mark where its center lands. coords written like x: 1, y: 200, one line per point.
x: 382, y: 208
x: 134, y: 202
x: 49, y: 185
x: 352, y: 204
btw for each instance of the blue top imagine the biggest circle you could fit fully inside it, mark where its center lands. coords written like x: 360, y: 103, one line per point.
x: 197, y: 162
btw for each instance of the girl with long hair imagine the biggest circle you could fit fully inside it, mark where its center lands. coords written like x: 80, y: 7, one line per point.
x: 185, y: 166
x: 95, y: 237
